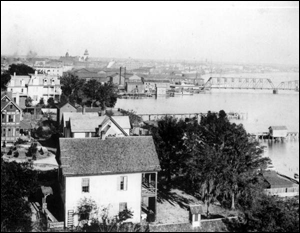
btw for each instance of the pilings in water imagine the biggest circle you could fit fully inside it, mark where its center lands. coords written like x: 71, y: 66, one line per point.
x: 262, y: 136
x: 150, y: 117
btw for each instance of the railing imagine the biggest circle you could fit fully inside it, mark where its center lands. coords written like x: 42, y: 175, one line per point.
x: 281, y: 191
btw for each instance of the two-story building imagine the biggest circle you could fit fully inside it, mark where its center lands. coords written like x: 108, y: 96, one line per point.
x: 157, y: 86
x: 36, y: 86
x: 11, y: 115
x: 116, y: 172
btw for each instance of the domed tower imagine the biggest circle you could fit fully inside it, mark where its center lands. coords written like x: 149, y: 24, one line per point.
x: 86, y: 55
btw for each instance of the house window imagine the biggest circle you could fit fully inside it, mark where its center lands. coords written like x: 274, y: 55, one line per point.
x: 22, y: 90
x: 122, y: 206
x: 10, y: 118
x: 10, y: 106
x: 3, y: 117
x: 9, y: 134
x: 123, y: 183
x: 196, y: 217
x: 85, y: 185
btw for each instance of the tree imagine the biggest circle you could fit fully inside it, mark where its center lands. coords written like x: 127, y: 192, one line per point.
x: 133, y: 117
x: 221, y: 158
x: 20, y: 69
x: 51, y: 102
x: 103, y: 95
x: 28, y: 102
x: 17, y: 181
x: 269, y: 214
x: 41, y: 103
x: 168, y: 139
x: 71, y: 87
x: 5, y: 79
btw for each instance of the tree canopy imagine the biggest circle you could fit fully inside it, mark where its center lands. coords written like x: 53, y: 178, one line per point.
x: 20, y: 69
x: 216, y: 158
x: 5, y: 79
x: 91, y: 93
x: 17, y: 182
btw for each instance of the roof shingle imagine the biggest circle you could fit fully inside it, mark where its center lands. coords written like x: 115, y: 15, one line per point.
x: 94, y: 156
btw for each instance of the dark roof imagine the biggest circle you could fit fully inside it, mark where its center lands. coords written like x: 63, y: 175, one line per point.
x: 278, y: 127
x: 89, y: 109
x: 276, y: 181
x: 196, y: 209
x: 94, y: 156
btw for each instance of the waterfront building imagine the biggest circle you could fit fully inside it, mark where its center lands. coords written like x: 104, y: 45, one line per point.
x: 117, y: 173
x: 11, y: 116
x: 135, y: 84
x: 157, y: 86
x: 278, y: 131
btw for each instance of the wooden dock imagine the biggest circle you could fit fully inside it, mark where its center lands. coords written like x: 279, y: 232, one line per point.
x: 266, y: 136
x: 152, y: 116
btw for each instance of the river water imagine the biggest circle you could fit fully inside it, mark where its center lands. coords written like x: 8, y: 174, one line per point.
x: 263, y: 108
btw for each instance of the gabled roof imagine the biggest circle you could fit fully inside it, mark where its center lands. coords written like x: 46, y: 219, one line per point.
x: 60, y: 105
x: 4, y: 103
x: 278, y: 127
x: 94, y: 156
x: 86, y: 125
x: 277, y: 181
x: 77, y: 115
x: 122, y: 121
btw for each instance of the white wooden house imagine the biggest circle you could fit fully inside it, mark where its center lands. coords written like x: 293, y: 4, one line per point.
x: 278, y: 131
x: 116, y: 172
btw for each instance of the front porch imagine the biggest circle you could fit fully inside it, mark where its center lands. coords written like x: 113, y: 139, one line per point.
x: 149, y: 196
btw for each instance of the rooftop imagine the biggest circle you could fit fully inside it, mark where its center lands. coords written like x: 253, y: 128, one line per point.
x: 278, y: 127
x: 94, y: 156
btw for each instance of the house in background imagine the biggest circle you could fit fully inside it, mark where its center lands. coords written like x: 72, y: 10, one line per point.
x: 117, y: 173
x: 11, y: 115
x: 280, y: 185
x: 278, y: 131
x: 134, y: 84
x: 64, y: 107
x: 100, y: 126
x: 66, y: 116
x: 157, y: 86
x: 36, y: 86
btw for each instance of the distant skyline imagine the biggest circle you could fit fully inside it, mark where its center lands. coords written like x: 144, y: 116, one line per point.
x: 242, y: 32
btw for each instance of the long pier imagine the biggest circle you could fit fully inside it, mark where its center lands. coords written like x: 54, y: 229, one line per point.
x: 230, y: 115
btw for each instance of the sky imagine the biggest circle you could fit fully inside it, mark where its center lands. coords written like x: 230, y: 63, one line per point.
x: 241, y: 32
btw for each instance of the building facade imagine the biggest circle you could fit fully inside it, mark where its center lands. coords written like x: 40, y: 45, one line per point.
x: 36, y: 86
x: 117, y: 173
x: 11, y: 116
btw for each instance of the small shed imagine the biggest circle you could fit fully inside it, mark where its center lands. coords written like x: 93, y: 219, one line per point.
x: 195, y: 215
x: 278, y: 131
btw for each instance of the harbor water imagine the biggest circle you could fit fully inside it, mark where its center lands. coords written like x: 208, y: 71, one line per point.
x: 263, y: 108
